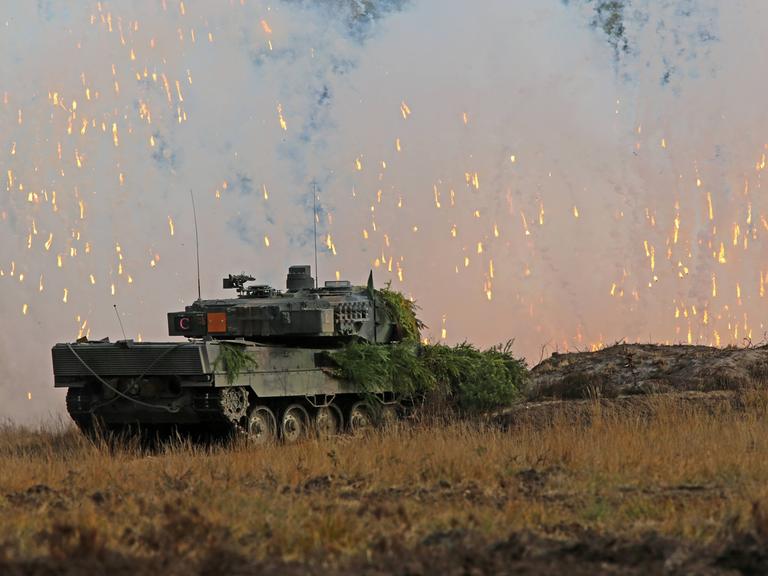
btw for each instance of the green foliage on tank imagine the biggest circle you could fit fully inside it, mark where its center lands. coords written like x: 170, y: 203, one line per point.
x: 468, y: 378
x: 477, y: 379
x: 233, y: 360
x: 402, y: 312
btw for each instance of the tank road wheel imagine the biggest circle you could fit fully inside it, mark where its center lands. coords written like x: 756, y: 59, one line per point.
x: 327, y: 421
x: 360, y: 420
x: 293, y: 425
x: 262, y: 426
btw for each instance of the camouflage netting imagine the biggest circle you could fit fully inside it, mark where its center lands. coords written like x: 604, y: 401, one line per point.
x: 649, y: 368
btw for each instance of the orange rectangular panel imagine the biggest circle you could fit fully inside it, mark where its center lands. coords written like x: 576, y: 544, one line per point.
x: 217, y: 322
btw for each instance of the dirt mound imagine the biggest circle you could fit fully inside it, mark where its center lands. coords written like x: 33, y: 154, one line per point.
x: 626, y: 369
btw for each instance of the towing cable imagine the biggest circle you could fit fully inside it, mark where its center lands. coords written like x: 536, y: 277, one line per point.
x: 171, y: 409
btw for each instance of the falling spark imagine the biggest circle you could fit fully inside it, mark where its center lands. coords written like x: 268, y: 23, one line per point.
x: 721, y: 255
x: 280, y: 117
x: 170, y: 225
x: 405, y: 110
x: 525, y: 224
x: 676, y: 229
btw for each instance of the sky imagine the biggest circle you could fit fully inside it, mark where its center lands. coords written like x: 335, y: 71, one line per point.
x: 563, y: 174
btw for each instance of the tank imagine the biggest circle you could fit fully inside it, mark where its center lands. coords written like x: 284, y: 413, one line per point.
x: 257, y: 364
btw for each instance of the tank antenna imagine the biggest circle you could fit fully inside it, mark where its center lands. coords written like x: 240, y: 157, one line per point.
x: 314, y: 227
x: 119, y: 321
x: 197, y: 244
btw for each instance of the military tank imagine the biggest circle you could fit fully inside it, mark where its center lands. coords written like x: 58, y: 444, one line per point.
x: 259, y: 364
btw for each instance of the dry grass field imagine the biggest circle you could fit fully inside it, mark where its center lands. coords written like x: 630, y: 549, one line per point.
x: 669, y: 486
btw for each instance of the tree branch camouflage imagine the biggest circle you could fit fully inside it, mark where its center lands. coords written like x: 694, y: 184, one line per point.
x: 470, y: 379
x: 233, y: 360
x: 403, y: 312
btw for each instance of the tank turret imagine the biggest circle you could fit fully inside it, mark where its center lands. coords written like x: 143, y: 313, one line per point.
x: 302, y: 315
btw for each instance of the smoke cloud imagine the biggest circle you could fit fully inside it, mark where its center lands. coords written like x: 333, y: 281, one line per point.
x: 566, y: 174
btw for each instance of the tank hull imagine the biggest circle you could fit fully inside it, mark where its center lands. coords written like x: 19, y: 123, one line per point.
x: 127, y: 384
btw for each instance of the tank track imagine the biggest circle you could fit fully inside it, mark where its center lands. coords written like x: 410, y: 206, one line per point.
x: 231, y: 411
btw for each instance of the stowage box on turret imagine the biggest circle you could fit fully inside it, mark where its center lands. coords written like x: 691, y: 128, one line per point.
x: 258, y: 363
